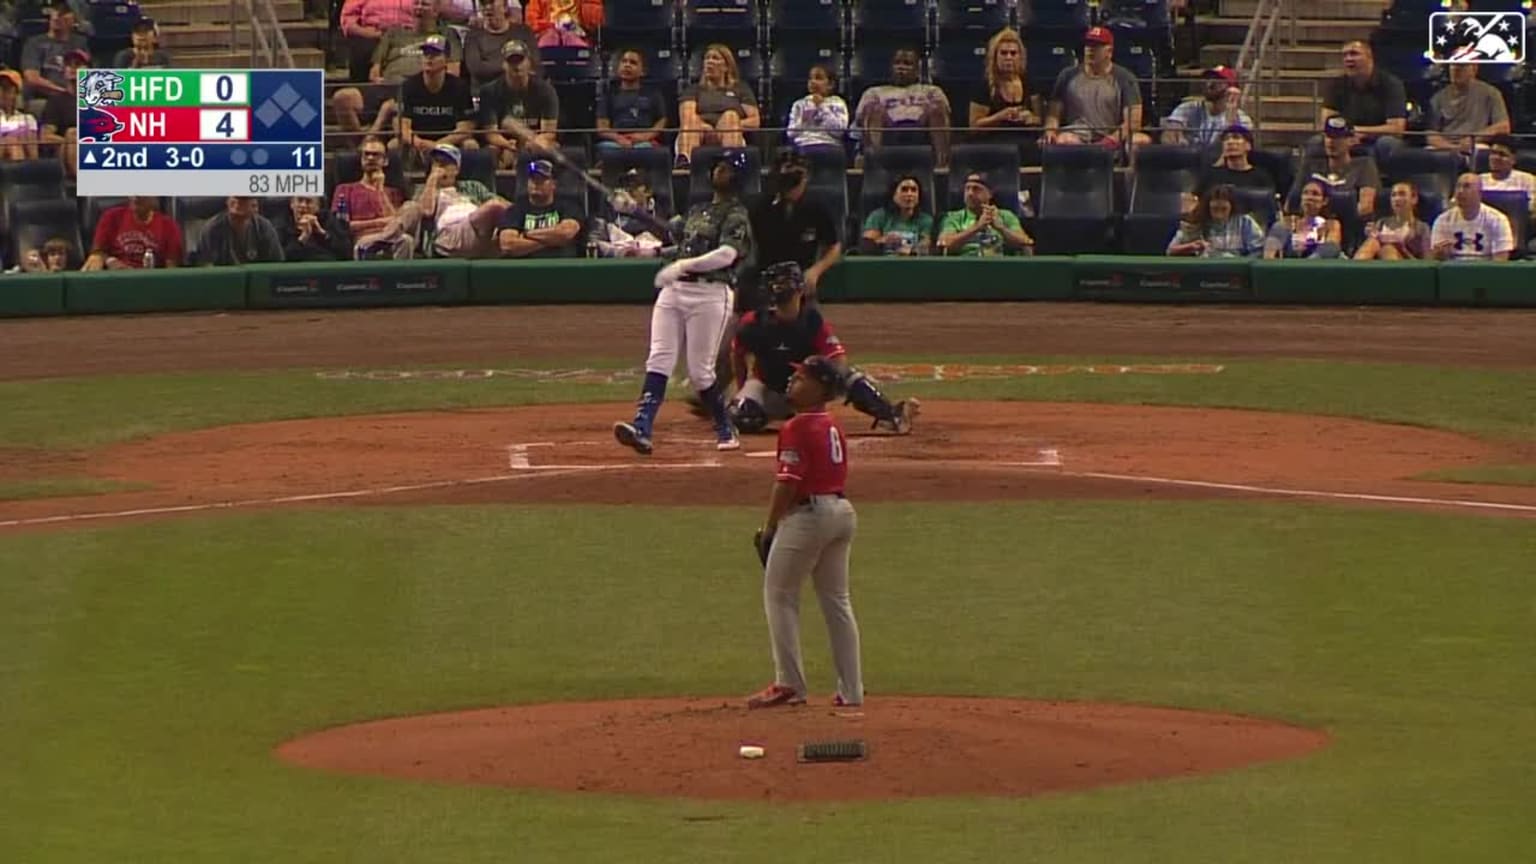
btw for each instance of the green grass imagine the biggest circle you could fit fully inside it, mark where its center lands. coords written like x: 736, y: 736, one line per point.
x: 147, y: 670
x: 62, y: 487
x: 1502, y: 475
x: 75, y: 413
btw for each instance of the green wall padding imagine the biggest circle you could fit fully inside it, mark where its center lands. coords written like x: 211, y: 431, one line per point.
x: 944, y: 279
x: 24, y: 295
x: 1148, y: 279
x: 174, y: 290
x: 1488, y: 283
x: 426, y: 282
x: 568, y: 280
x: 1348, y: 282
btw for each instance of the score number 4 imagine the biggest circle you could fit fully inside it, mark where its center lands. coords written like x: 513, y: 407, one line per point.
x: 224, y: 125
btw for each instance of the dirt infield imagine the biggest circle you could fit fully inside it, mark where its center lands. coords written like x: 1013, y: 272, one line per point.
x: 917, y: 747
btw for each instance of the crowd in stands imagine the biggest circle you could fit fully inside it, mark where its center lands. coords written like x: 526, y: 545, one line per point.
x: 459, y: 118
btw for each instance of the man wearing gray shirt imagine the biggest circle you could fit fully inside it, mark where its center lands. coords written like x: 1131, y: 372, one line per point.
x: 482, y: 45
x: 1465, y: 108
x: 42, y: 57
x: 1096, y: 101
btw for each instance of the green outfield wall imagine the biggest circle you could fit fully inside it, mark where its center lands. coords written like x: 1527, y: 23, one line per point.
x: 1093, y: 278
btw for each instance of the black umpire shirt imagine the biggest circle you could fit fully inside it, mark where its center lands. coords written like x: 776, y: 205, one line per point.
x: 784, y: 232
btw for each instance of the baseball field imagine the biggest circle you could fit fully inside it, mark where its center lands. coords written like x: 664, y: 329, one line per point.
x: 1144, y: 584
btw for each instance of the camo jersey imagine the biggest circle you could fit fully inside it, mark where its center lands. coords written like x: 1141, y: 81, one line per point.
x: 713, y: 224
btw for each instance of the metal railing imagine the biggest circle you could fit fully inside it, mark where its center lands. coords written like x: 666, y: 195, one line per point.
x: 267, y: 41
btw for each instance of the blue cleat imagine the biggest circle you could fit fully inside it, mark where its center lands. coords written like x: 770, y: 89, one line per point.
x: 630, y: 436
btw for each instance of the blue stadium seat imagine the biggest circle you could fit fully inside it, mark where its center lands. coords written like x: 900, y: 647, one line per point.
x: 1517, y: 207
x: 1262, y: 204
x: 748, y: 64
x: 1074, y: 15
x: 1044, y: 63
x: 829, y: 184
x: 703, y: 162
x: 823, y: 16
x: 1160, y: 177
x: 789, y: 73
x: 1136, y: 57
x: 732, y: 21
x: 112, y: 20
x: 663, y: 67
x: 959, y: 62
x: 1150, y: 15
x: 655, y: 163
x: 38, y: 179
x: 1076, y: 200
x: 1427, y: 169
x: 984, y: 16
x: 998, y: 162
x: 191, y: 213
x: 1147, y: 233
x: 563, y: 64
x: 640, y: 20
x: 39, y: 220
x: 887, y: 20
x: 883, y: 165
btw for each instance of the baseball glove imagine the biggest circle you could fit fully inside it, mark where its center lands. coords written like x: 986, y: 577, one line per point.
x: 762, y: 542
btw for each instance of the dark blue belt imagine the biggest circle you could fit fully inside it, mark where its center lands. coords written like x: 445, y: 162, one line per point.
x: 810, y: 499
x: 701, y: 277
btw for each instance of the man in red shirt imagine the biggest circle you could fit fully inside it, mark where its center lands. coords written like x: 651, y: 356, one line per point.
x: 380, y: 217
x: 809, y: 532
x: 125, y: 232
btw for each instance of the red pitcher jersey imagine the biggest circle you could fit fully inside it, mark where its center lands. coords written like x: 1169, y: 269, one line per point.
x: 813, y: 454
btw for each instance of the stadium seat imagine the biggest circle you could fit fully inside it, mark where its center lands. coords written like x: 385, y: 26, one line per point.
x: 637, y: 22
x: 1427, y: 169
x: 883, y: 165
x: 984, y: 17
x: 829, y: 183
x: 1516, y: 206
x: 1161, y: 176
x: 28, y: 181
x: 734, y: 22
x: 904, y: 21
x: 1071, y: 15
x: 748, y: 64
x: 559, y: 65
x: 1044, y: 63
x: 870, y: 64
x: 1278, y: 164
x: 1263, y: 204
x: 655, y: 163
x: 959, y: 62
x: 1431, y: 205
x: 1410, y: 16
x: 190, y: 214
x: 1076, y: 200
x: 823, y: 16
x: 703, y: 161
x: 1152, y: 16
x: 663, y: 67
x: 998, y: 162
x: 568, y: 184
x: 1137, y: 57
x: 1147, y: 233
x: 39, y: 220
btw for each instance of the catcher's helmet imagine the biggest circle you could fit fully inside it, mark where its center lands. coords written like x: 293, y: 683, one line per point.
x: 782, y: 281
x: 823, y: 371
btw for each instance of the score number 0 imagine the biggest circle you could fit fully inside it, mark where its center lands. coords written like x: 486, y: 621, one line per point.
x: 222, y: 88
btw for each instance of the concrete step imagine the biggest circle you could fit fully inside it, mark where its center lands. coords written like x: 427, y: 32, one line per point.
x: 194, y: 37
x: 303, y: 58
x: 1309, y: 31
x: 1360, y: 10
x: 169, y: 12
x: 1286, y: 109
x: 1281, y: 134
x: 1300, y: 57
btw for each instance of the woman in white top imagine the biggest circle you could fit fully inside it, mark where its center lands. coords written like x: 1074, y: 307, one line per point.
x: 820, y: 118
x: 18, y: 129
x: 1401, y: 236
x: 1312, y: 233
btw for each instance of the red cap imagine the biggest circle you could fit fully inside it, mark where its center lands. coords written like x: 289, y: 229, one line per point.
x: 1099, y: 36
x: 1224, y: 73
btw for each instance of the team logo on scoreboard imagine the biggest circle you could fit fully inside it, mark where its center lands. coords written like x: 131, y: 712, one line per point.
x: 100, y: 88
x: 1477, y: 37
x: 97, y: 125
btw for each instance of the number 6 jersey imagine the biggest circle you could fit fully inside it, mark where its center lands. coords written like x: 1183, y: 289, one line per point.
x: 812, y: 454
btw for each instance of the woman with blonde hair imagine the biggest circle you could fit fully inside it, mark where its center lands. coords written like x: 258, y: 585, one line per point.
x: 1002, y: 107
x: 718, y: 109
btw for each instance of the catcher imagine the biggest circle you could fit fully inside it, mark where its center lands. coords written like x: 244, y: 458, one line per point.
x: 786, y: 331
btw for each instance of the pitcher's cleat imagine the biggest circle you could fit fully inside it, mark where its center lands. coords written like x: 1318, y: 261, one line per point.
x: 906, y: 412
x: 773, y: 696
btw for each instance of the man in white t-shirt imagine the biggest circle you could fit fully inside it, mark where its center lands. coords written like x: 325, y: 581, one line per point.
x: 1502, y: 176
x: 1468, y: 230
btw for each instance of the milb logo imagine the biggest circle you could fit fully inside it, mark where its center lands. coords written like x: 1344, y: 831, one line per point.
x: 1477, y: 37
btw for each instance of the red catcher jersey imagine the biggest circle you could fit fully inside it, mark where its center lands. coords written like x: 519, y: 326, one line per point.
x: 813, y: 454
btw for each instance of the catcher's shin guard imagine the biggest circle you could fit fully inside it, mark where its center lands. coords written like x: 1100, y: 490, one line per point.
x: 866, y: 398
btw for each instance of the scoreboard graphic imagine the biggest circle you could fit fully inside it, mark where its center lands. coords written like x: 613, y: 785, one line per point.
x: 184, y: 132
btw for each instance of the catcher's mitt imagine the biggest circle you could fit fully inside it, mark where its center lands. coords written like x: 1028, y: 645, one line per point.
x: 762, y: 542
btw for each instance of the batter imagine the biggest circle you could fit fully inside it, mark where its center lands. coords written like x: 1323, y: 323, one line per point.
x: 809, y: 533
x: 694, y: 305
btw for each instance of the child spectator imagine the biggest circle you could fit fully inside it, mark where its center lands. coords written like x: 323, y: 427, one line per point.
x: 632, y: 114
x: 19, y: 134
x: 1216, y: 230
x: 144, y: 52
x: 820, y: 118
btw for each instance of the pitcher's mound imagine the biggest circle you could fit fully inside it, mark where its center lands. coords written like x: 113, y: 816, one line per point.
x: 917, y: 746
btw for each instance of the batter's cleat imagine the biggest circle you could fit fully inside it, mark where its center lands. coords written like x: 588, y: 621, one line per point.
x: 727, y: 439
x: 773, y: 696
x: 631, y: 437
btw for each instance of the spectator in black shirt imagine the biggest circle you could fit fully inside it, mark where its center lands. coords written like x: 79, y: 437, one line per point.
x: 1372, y: 100
x: 310, y: 233
x: 1233, y: 167
x: 239, y: 235
x: 632, y: 114
x: 787, y: 227
x: 435, y: 107
x: 145, y: 52
x: 539, y: 227
x: 518, y: 94
x: 484, y: 42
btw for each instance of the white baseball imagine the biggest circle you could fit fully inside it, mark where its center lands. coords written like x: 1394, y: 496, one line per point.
x: 749, y: 751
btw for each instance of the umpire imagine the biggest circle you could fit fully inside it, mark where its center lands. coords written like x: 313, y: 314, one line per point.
x: 789, y: 227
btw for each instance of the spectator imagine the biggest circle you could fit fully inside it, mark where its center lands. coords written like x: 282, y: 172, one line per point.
x: 364, y: 23
x: 820, y: 118
x: 19, y: 135
x: 398, y: 57
x: 518, y: 95
x: 1372, y: 100
x: 1002, y: 106
x: 1502, y: 175
x: 239, y: 235
x: 1202, y: 120
x: 435, y: 107
x: 1310, y: 233
x: 1098, y: 100
x: 483, y: 45
x: 633, y: 114
x: 464, y: 212
x: 1338, y: 169
x: 632, y: 233
x: 891, y: 113
x: 1216, y: 230
x: 564, y: 22
x: 539, y: 227
x: 59, y: 113
x: 52, y: 258
x: 903, y: 226
x: 144, y: 52
x: 718, y: 109
x: 125, y: 232
x: 1464, y: 111
x: 1401, y: 236
x: 42, y: 57
x: 379, y: 216
x: 310, y: 233
x: 1234, y: 167
x: 1470, y: 230
x: 786, y: 226
x: 980, y: 228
